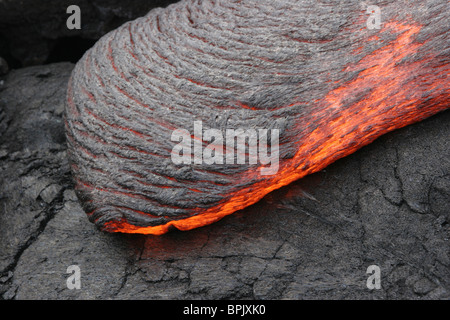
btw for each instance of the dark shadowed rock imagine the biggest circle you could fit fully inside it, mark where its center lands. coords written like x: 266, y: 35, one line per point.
x: 3, y: 66
x: 386, y: 205
x: 32, y: 31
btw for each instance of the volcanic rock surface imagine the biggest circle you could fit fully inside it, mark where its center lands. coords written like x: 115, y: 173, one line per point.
x: 386, y: 205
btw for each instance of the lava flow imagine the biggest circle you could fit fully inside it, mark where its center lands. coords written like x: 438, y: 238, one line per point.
x: 394, y: 101
x: 329, y: 94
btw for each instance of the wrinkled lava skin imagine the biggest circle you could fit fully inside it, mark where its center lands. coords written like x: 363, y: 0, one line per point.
x: 314, y: 71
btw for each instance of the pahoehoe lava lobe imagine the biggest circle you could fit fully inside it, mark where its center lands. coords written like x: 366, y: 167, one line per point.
x: 312, y: 70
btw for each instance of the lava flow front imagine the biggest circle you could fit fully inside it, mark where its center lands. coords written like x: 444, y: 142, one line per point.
x: 328, y: 92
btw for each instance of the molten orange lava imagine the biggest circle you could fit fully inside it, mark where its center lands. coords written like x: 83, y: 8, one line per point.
x: 397, y: 92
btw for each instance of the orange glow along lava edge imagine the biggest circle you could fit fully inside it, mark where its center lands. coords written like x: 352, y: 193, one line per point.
x: 390, y: 81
